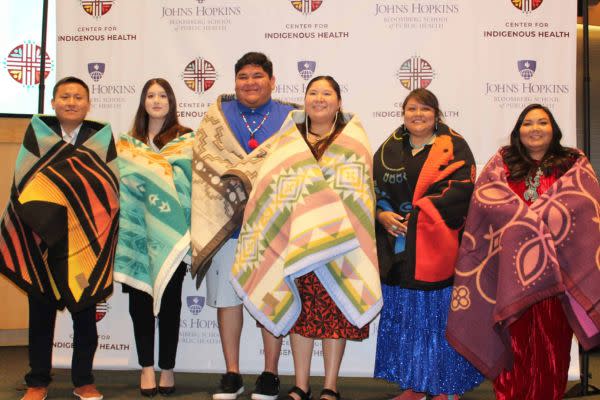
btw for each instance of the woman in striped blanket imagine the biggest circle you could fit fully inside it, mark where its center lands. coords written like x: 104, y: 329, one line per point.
x: 155, y: 167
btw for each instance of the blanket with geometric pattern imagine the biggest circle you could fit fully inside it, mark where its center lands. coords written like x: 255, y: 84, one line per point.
x: 155, y: 213
x: 59, y: 230
x: 306, y: 215
x: 218, y: 199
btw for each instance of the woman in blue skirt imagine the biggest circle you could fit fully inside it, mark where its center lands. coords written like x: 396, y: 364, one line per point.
x: 424, y: 174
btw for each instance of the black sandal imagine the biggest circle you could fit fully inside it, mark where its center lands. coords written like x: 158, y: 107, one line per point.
x: 301, y: 393
x: 328, y: 392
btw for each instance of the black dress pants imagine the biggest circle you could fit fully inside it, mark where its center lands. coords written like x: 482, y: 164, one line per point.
x: 140, y: 310
x: 42, y: 318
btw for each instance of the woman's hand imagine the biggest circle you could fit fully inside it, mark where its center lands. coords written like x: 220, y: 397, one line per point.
x: 393, y: 223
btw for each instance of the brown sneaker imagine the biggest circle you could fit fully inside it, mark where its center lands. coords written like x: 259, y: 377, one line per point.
x: 36, y: 393
x: 88, y: 392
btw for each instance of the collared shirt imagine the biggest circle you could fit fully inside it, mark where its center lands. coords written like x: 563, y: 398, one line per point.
x: 235, y: 112
x: 70, y: 137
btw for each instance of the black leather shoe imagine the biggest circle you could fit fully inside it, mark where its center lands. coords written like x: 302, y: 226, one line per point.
x: 149, y: 392
x: 166, y: 390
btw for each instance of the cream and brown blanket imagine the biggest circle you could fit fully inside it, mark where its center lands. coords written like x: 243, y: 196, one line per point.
x: 306, y: 215
x: 218, y: 200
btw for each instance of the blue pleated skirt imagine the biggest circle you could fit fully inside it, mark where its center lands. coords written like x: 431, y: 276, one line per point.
x: 412, y: 350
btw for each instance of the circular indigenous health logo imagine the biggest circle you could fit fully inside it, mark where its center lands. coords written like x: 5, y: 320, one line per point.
x: 97, y: 8
x: 101, y: 310
x: 306, y: 6
x: 415, y: 73
x: 23, y: 64
x: 527, y: 5
x: 199, y: 75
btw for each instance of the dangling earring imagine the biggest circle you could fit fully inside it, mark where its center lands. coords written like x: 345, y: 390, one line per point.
x: 306, y: 122
x: 435, y: 128
x: 333, y: 125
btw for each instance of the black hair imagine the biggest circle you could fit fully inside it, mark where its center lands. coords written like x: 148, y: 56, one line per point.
x: 70, y: 79
x: 340, y: 122
x: 426, y: 97
x: 517, y: 158
x: 255, y: 58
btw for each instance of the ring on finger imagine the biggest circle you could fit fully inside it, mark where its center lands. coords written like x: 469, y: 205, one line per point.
x: 394, y: 227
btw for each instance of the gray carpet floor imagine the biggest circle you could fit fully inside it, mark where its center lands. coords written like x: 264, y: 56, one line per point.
x: 119, y: 385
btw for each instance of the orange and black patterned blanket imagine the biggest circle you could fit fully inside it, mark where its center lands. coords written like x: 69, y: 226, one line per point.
x: 58, y: 233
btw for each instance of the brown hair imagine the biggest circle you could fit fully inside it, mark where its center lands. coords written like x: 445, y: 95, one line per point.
x: 170, y: 128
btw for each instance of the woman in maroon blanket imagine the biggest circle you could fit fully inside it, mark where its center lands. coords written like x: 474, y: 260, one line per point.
x: 541, y: 337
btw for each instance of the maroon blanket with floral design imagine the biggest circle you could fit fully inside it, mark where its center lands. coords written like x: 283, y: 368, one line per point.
x: 513, y: 255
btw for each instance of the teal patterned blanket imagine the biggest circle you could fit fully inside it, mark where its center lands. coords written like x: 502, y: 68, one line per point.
x: 155, y: 213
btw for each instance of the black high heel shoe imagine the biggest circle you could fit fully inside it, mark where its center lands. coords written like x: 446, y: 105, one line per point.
x: 149, y: 392
x: 166, y: 390
x: 328, y: 392
x: 300, y: 393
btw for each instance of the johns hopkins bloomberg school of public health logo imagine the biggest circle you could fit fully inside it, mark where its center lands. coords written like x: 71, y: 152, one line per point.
x: 23, y: 63
x: 195, y: 304
x: 293, y: 90
x: 106, y: 93
x: 528, y: 89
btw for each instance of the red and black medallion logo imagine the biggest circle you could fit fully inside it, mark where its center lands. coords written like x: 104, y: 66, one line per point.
x: 527, y: 6
x: 415, y: 73
x: 23, y: 64
x: 101, y: 310
x: 306, y: 6
x: 199, y: 75
x: 97, y: 8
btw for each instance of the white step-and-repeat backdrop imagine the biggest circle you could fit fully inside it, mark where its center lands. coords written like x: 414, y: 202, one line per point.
x: 485, y: 60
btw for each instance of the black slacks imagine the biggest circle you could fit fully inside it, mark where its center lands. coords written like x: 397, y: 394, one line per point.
x: 140, y: 310
x: 42, y: 319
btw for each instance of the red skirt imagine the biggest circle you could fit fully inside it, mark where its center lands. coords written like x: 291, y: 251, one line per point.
x: 320, y: 317
x: 541, y: 344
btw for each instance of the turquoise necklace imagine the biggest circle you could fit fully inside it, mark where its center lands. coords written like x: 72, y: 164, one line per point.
x: 425, y: 143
